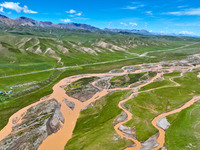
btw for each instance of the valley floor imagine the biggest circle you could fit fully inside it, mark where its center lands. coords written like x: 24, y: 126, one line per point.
x: 132, y: 108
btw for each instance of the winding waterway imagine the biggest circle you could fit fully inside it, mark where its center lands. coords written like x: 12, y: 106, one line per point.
x: 58, y: 140
x: 161, y: 138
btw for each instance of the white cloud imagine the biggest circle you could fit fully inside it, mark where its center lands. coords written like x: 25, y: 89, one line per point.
x: 28, y: 11
x: 1, y: 9
x: 173, y: 13
x: 109, y: 24
x: 16, y: 7
x: 124, y: 24
x: 12, y: 6
x: 135, y: 6
x: 186, y: 12
x: 79, y: 14
x: 149, y: 12
x: 133, y: 24
x: 75, y: 15
x: 186, y: 32
x: 72, y: 11
x: 130, y: 8
x: 181, y: 6
x: 65, y: 20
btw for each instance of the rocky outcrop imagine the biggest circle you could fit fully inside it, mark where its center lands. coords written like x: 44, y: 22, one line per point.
x: 163, y: 123
x: 150, y: 143
x: 53, y: 124
x: 70, y: 104
x: 29, y: 132
x: 120, y: 118
x: 103, y: 83
x: 84, y: 93
x: 128, y: 131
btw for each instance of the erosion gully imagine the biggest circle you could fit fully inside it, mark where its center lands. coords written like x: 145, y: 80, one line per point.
x: 58, y: 140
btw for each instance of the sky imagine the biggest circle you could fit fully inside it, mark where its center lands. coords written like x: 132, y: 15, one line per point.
x: 161, y: 16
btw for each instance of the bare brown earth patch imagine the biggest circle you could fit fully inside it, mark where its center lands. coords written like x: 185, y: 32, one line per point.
x: 39, y: 122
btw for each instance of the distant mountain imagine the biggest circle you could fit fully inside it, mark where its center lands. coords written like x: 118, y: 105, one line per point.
x: 129, y: 31
x: 46, y: 24
x: 2, y: 16
x: 174, y: 34
x: 27, y: 21
x: 31, y: 22
x: 78, y: 26
x: 8, y: 21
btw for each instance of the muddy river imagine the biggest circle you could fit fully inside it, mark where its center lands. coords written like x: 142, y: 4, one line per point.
x: 58, y: 140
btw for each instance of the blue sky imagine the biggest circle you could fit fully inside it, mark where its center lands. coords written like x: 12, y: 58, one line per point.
x: 171, y: 16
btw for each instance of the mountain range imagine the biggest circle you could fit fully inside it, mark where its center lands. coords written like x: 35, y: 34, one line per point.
x: 24, y: 21
x: 129, y: 31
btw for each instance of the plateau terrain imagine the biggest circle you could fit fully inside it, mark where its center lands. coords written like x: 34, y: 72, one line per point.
x: 78, y: 87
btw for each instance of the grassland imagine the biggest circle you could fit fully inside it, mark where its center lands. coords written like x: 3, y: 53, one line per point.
x: 6, y: 83
x: 81, y: 83
x: 157, y: 84
x: 148, y: 105
x: 15, y: 59
x: 11, y: 105
x: 173, y: 74
x: 94, y: 129
x: 184, y: 130
x: 21, y: 85
x: 120, y: 81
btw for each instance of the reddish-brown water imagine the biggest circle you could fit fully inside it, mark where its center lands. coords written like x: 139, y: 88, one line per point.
x: 161, y: 138
x: 58, y: 140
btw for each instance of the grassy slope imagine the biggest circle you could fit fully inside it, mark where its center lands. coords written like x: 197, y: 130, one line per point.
x: 16, y: 63
x: 94, y: 129
x: 173, y: 74
x: 24, y: 66
x: 148, y: 105
x: 81, y: 83
x: 10, y: 106
x: 184, y: 130
x: 121, y: 81
x: 157, y: 84
x: 31, y: 62
x: 38, y: 77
